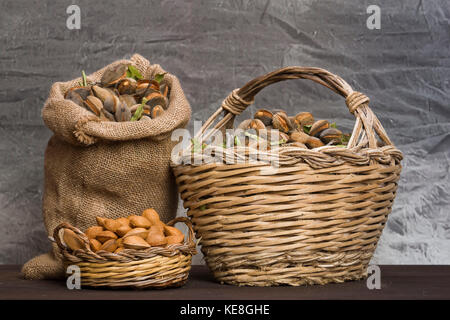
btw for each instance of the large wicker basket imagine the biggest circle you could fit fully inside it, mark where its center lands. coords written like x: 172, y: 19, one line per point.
x: 156, y: 267
x: 315, y: 219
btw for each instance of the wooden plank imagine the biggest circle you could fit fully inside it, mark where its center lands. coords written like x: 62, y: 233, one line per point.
x: 397, y: 282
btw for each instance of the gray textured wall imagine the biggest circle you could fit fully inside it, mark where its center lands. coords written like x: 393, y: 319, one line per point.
x: 215, y: 46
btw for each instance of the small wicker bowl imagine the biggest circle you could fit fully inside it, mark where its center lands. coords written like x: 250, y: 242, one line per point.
x: 155, y: 267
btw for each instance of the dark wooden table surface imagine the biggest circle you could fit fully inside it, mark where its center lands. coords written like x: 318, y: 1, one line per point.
x: 397, y: 282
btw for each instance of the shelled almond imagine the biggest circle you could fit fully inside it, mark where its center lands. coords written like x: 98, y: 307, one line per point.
x: 133, y: 232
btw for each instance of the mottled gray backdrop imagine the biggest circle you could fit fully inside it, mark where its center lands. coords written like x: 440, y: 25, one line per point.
x: 216, y: 46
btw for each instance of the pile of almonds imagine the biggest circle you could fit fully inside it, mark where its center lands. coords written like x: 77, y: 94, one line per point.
x: 133, y: 232
x: 122, y: 95
x: 301, y: 130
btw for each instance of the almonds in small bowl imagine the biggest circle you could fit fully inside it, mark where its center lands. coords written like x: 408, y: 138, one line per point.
x: 133, y: 232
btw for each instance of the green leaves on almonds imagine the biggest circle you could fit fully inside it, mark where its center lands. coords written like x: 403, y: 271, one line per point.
x: 83, y: 82
x: 138, y: 114
x: 345, y: 138
x: 159, y: 77
x: 276, y: 143
x: 250, y: 135
x: 134, y: 73
x: 197, y: 146
x: 307, y: 128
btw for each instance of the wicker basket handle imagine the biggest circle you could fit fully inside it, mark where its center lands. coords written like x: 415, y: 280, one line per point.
x: 366, y: 125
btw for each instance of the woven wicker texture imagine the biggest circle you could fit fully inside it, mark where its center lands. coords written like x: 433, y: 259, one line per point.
x: 314, y: 219
x: 156, y: 267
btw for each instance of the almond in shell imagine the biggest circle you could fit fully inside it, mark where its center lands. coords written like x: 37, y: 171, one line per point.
x: 94, y: 244
x: 298, y: 145
x: 93, y: 231
x: 257, y: 125
x: 111, y: 225
x: 123, y: 221
x: 298, y: 136
x: 127, y: 86
x: 119, y: 249
x: 173, y: 235
x: 100, y: 221
x: 72, y: 240
x: 135, y: 242
x: 265, y: 116
x: 303, y: 119
x: 281, y: 122
x: 93, y: 104
x: 156, y: 112
x: 244, y: 125
x: 137, y: 232
x: 109, y: 245
x: 123, y: 230
x: 175, y: 239
x: 314, y: 142
x: 318, y: 127
x: 106, y: 97
x: 331, y: 135
x: 114, y: 74
x: 156, y: 236
x: 105, y: 236
x: 152, y: 216
x: 139, y: 222
x: 172, y: 231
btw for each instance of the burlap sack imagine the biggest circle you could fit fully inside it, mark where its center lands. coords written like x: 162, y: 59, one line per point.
x: 109, y: 169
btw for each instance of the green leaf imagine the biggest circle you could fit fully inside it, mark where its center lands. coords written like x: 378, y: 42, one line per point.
x: 138, y: 113
x: 133, y: 72
x: 333, y: 125
x: 84, y: 80
x: 345, y: 138
x: 159, y: 77
x: 276, y: 143
x: 237, y: 142
x: 203, y: 208
x: 252, y: 136
x: 196, y: 146
x: 307, y: 128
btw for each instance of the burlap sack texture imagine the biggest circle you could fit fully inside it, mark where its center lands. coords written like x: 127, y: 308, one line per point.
x: 109, y: 169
